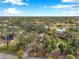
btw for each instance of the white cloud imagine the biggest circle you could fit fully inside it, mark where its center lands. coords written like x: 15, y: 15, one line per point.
x: 62, y: 6
x: 12, y: 11
x: 67, y: 10
x: 68, y: 0
x: 72, y: 1
x: 17, y: 2
x: 72, y: 11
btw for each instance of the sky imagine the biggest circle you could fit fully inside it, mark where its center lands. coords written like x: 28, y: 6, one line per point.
x: 39, y: 7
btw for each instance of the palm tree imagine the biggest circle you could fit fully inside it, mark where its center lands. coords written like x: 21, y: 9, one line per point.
x: 8, y: 38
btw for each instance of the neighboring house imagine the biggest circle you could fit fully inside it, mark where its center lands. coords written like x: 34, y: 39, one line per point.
x: 61, y: 33
x: 46, y: 27
x: 61, y: 30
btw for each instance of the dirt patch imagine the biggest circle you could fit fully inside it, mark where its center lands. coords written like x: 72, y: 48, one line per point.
x: 37, y: 53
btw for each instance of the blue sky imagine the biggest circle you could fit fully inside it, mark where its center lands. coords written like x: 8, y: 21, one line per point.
x: 39, y: 7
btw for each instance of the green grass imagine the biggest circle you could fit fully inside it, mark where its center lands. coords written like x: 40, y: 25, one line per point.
x: 10, y: 49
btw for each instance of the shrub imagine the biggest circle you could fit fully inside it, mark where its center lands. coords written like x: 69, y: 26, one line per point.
x: 50, y: 57
x: 71, y: 57
x: 20, y: 54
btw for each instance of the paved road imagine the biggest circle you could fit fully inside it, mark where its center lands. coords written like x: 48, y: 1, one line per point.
x: 34, y: 58
x: 7, y: 56
x: 27, y: 57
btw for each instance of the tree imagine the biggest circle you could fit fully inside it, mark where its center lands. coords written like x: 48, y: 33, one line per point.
x: 62, y: 47
x: 8, y: 38
x: 50, y: 44
x: 23, y: 41
x: 72, y: 46
x: 40, y: 28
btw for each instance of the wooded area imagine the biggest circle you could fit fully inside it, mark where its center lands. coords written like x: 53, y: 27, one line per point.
x: 52, y: 37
